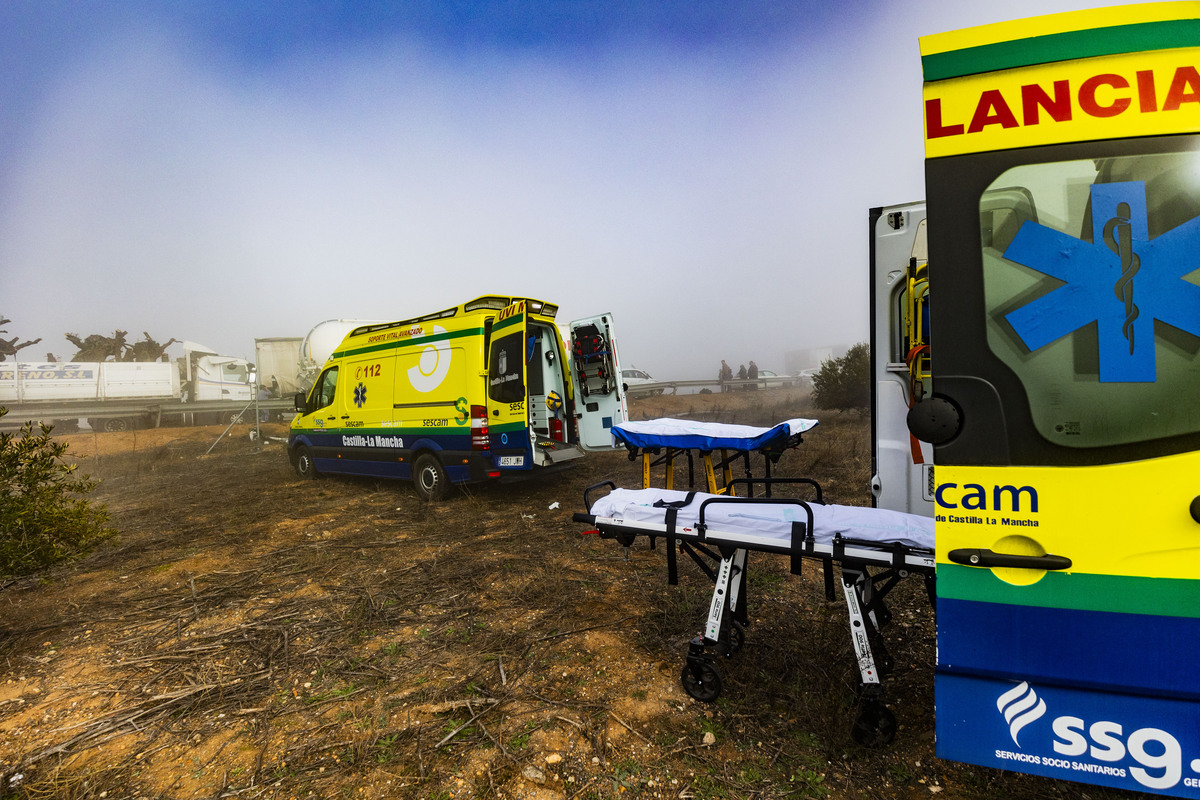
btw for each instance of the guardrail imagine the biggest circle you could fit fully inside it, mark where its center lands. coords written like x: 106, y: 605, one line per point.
x: 156, y: 410
x: 735, y: 385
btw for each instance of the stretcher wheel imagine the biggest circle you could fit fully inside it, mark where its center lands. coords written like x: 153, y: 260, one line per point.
x: 737, y: 639
x: 701, y: 681
x: 875, y: 725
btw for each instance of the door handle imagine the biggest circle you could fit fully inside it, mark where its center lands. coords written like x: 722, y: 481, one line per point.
x: 986, y: 558
x: 331, y: 418
x: 344, y: 416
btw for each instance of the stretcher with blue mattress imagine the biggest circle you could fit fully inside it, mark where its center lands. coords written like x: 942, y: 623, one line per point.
x: 661, y: 441
x: 873, y: 548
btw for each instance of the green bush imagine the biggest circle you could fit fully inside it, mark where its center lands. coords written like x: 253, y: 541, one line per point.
x: 844, y: 383
x: 44, y: 517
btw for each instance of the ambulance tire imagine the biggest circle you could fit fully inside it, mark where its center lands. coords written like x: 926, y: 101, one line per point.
x: 304, y: 464
x: 429, y: 477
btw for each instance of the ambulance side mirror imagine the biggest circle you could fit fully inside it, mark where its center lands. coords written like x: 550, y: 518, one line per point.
x: 300, y: 402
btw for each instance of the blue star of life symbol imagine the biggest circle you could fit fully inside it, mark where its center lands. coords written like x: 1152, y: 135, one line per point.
x: 360, y: 395
x: 1121, y: 280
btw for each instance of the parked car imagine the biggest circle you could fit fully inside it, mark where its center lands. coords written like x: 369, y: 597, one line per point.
x: 772, y: 384
x: 633, y: 378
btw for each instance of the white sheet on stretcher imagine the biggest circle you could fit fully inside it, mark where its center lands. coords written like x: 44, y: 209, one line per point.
x: 687, y: 433
x: 756, y: 521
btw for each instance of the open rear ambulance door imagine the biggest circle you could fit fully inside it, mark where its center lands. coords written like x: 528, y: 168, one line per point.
x: 902, y: 465
x: 1068, y: 524
x: 1066, y: 373
x: 596, y: 380
x: 508, y: 417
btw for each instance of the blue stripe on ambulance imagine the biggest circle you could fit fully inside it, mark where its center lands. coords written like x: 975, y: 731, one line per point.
x: 1098, y: 649
x: 332, y: 454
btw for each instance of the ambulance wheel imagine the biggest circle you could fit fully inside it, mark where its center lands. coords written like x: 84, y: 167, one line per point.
x: 875, y: 725
x: 701, y: 681
x: 429, y: 477
x: 305, y: 466
x: 117, y: 425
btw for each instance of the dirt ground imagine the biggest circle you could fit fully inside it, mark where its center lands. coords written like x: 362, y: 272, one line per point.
x: 250, y: 634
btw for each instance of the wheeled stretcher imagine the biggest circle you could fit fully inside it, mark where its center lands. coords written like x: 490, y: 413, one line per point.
x: 874, y: 549
x: 662, y: 441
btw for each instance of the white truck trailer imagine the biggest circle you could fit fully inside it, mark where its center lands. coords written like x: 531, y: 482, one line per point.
x: 278, y: 360
x: 201, y: 388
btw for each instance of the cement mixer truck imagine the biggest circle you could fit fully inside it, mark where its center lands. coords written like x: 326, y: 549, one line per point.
x: 319, y: 345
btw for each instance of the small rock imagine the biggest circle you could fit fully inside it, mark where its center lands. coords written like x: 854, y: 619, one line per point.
x: 709, y: 739
x: 533, y: 774
x: 553, y: 758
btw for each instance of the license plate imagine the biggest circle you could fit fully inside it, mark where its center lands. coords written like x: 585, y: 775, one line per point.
x: 512, y: 461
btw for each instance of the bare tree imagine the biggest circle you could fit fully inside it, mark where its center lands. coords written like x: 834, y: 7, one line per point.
x: 99, y: 348
x: 9, y: 347
x: 147, y: 350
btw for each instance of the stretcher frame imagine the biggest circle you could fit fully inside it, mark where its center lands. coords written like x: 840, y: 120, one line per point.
x: 869, y: 571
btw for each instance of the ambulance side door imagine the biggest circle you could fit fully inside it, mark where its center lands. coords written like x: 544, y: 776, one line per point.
x: 365, y: 397
x: 596, y: 381
x: 508, y: 415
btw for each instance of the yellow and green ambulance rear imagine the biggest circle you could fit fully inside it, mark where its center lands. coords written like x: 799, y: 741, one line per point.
x: 487, y: 390
x: 1063, y: 181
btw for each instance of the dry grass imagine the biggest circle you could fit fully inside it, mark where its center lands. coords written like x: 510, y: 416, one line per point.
x: 253, y: 635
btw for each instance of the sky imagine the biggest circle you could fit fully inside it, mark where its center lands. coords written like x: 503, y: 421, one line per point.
x: 226, y: 171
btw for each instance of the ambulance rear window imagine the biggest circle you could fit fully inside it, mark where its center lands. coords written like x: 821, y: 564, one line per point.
x: 1078, y: 257
x: 506, y: 382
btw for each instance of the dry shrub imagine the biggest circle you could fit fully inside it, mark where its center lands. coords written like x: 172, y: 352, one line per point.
x: 45, y: 516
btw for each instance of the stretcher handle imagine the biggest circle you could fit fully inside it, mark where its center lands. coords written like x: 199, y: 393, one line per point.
x: 587, y: 499
x: 973, y: 557
x: 776, y: 501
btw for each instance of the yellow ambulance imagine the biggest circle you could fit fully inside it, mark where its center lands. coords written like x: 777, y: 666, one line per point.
x: 482, y: 391
x: 1059, y: 399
